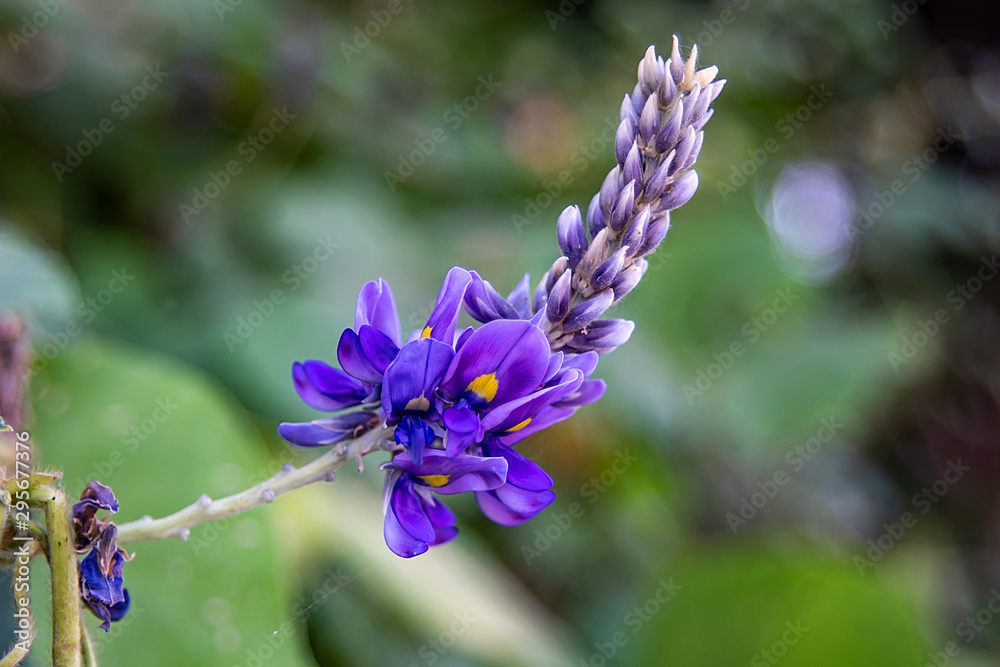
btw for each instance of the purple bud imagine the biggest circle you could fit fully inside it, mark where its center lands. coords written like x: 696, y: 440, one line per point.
x: 671, y: 130
x: 555, y: 272
x: 704, y: 119
x: 603, y: 336
x: 661, y: 178
x: 682, y: 191
x: 693, y: 157
x: 655, y: 233
x: 701, y: 107
x: 538, y: 300
x: 606, y: 273
x: 624, y: 139
x: 595, y: 219
x: 684, y: 147
x: 638, y: 99
x: 622, y: 210
x: 649, y: 121
x: 559, y: 296
x: 609, y: 191
x: 636, y: 232
x: 650, y: 71
x: 596, y: 253
x: 715, y: 88
x: 676, y: 64
x: 632, y: 170
x: 627, y: 111
x: 691, y: 106
x: 520, y: 298
x: 571, y: 235
x: 627, y: 280
x: 583, y: 314
x: 667, y: 90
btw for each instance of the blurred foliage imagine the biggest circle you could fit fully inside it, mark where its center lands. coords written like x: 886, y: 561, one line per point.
x: 182, y: 258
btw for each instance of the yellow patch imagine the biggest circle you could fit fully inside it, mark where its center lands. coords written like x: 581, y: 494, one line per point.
x: 518, y: 427
x: 426, y: 333
x: 436, y: 480
x: 418, y: 404
x: 485, y: 386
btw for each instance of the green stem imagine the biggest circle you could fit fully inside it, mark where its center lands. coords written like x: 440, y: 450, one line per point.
x: 179, y: 524
x: 65, y: 582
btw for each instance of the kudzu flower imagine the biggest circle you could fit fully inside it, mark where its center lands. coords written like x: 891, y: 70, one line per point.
x: 101, y: 581
x: 458, y: 403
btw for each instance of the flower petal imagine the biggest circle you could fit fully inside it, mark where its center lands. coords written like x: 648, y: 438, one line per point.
x: 377, y: 308
x: 327, y: 431
x: 521, y: 472
x: 324, y: 387
x: 379, y: 349
x: 353, y: 360
x: 444, y: 317
x: 449, y: 476
x: 516, y: 415
x: 408, y: 509
x: 411, y: 379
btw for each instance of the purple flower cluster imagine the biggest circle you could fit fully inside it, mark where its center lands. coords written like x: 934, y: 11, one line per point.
x: 459, y: 401
x: 101, y: 581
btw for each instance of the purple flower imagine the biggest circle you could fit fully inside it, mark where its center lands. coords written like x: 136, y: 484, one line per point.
x: 525, y: 492
x: 502, y: 361
x: 414, y: 518
x: 408, y: 393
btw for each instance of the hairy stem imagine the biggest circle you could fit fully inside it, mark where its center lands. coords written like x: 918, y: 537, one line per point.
x: 65, y: 583
x: 179, y: 524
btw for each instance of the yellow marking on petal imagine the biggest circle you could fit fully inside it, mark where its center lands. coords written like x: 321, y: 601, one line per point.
x: 426, y: 333
x: 436, y: 480
x: 518, y: 427
x: 485, y: 386
x: 419, y: 404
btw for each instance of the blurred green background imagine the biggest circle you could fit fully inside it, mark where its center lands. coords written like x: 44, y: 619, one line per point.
x: 796, y: 460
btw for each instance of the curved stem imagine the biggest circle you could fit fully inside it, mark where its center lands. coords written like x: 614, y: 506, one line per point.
x: 288, y: 479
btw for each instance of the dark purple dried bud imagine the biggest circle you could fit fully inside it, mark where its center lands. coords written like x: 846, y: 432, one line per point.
x: 656, y: 231
x: 671, y: 129
x: 636, y: 232
x: 571, y: 234
x: 649, y: 120
x: 624, y: 139
x: 606, y: 273
x: 622, y: 210
x: 86, y: 527
x: 583, y: 314
x: 559, y: 297
x: 681, y: 193
x: 609, y: 190
x: 595, y: 219
x: 604, y: 336
x: 661, y: 178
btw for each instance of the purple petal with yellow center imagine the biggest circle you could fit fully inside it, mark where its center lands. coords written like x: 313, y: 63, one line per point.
x: 502, y: 360
x: 545, y: 418
x: 353, y: 360
x: 324, y: 387
x: 444, y: 317
x: 410, y: 380
x: 519, y: 413
x: 377, y: 308
x: 449, y: 476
